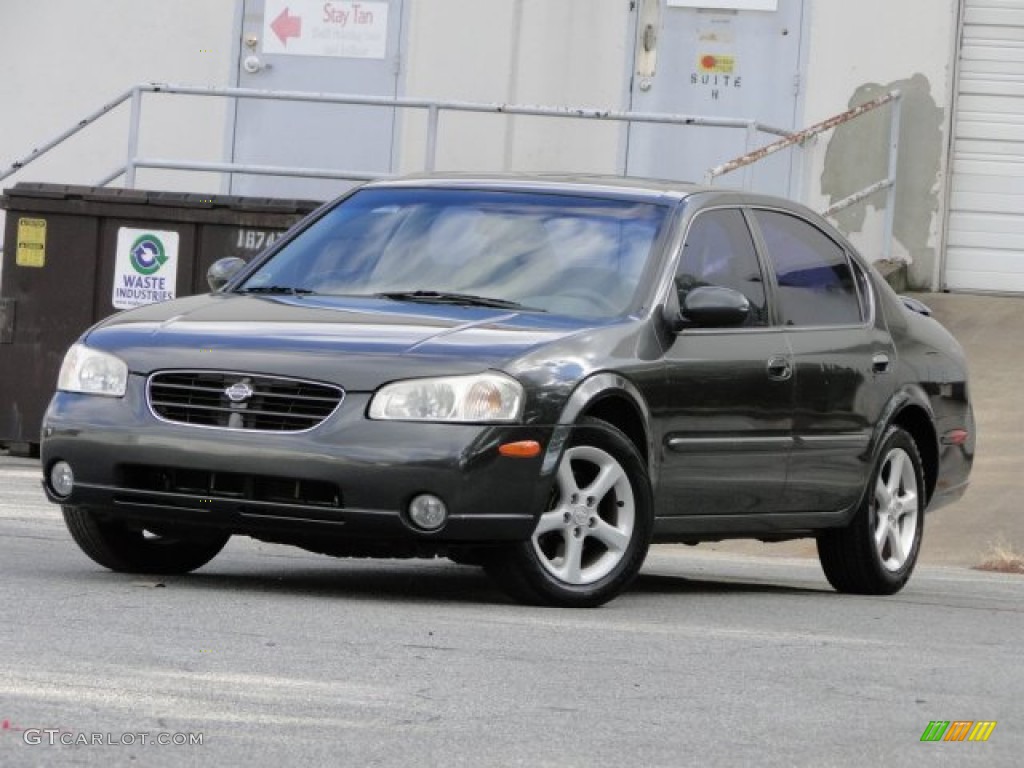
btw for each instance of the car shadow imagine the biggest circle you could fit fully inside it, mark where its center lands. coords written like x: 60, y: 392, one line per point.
x: 428, y: 582
x: 357, y: 581
x: 663, y: 584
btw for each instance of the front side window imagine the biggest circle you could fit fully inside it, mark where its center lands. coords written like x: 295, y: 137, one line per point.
x: 569, y: 255
x: 816, y: 282
x: 719, y: 250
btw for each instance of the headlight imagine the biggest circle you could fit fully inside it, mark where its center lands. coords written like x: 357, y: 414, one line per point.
x: 92, y: 372
x: 485, y: 397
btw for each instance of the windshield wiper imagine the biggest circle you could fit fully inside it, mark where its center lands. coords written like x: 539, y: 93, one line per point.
x: 277, y: 289
x: 461, y: 299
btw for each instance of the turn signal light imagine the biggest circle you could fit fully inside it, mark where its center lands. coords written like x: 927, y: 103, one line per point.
x: 524, y: 449
x: 955, y: 437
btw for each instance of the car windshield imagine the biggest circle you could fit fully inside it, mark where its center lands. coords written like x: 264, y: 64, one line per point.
x: 571, y: 255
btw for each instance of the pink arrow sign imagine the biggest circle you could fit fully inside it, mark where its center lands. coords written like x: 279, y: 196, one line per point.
x: 286, y: 26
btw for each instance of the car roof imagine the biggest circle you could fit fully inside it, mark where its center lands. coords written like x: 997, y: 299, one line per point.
x: 619, y: 186
x: 658, y: 191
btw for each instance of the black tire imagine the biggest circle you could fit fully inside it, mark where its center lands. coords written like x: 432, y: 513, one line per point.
x: 120, y: 548
x: 586, y: 549
x: 852, y: 560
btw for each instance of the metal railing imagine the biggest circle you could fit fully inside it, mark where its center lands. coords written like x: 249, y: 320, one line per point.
x: 434, y: 108
x: 895, y: 98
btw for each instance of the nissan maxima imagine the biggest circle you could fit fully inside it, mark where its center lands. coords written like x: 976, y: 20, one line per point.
x: 540, y: 376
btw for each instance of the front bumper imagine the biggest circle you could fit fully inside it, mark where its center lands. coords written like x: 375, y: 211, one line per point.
x: 348, y: 478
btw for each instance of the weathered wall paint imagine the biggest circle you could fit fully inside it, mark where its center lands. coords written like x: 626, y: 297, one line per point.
x: 885, y: 43
x: 857, y: 156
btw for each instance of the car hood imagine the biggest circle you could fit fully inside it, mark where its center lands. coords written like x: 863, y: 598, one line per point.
x: 358, y: 343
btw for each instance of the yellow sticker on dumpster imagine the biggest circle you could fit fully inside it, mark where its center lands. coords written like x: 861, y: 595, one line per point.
x: 31, y: 250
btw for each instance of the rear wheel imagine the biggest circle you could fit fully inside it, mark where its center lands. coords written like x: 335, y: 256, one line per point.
x: 119, y: 547
x: 876, y: 553
x: 591, y: 541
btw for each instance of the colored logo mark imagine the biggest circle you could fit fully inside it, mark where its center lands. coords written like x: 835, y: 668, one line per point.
x: 724, y: 65
x: 958, y: 730
x: 147, y: 254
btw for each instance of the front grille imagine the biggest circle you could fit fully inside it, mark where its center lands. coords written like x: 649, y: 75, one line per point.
x: 231, y: 485
x: 241, y: 400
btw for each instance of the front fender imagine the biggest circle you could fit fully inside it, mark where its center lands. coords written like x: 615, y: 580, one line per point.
x: 588, y: 393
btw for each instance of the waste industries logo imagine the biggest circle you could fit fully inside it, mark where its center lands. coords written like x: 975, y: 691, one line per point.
x: 147, y: 254
x: 145, y: 268
x: 958, y: 730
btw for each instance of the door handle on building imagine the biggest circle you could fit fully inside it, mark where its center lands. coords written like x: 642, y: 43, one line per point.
x: 254, y: 64
x: 650, y: 38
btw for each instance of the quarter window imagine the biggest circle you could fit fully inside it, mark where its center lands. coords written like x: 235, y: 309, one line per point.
x: 719, y: 250
x: 816, y: 283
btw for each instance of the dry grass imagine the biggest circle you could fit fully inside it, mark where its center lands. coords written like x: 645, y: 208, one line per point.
x: 1002, y: 559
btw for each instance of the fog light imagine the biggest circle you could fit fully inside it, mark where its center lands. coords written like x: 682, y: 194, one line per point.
x: 62, y: 479
x: 427, y: 512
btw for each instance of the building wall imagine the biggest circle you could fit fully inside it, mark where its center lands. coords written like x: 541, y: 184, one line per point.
x: 72, y: 56
x: 856, y: 52
x: 566, y: 53
x: 575, y: 53
x: 62, y: 59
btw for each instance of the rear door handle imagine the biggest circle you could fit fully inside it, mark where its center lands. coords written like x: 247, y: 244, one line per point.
x: 880, y: 363
x: 779, y: 368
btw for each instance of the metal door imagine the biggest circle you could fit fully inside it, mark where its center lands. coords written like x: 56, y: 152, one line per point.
x: 985, y: 228
x: 735, y: 59
x: 307, y: 45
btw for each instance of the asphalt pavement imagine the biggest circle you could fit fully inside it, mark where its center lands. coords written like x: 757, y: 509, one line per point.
x: 271, y: 656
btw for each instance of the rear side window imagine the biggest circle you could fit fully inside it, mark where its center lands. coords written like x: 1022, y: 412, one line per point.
x: 816, y: 282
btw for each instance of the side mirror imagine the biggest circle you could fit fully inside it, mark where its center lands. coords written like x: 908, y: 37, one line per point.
x: 712, y: 306
x: 223, y: 270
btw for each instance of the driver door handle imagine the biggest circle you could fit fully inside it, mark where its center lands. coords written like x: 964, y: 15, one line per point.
x: 779, y: 368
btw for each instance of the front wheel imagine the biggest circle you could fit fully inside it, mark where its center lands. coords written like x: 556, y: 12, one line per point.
x: 876, y: 553
x: 591, y: 541
x: 116, y: 546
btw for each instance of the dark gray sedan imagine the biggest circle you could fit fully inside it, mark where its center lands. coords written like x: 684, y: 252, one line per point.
x: 540, y: 376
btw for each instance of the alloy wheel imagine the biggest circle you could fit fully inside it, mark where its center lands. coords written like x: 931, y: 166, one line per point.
x: 587, y: 530
x: 896, y: 509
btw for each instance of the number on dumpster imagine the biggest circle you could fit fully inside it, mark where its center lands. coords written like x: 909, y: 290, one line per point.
x: 255, y: 239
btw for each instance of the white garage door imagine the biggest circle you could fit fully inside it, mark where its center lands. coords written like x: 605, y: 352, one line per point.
x: 985, y: 239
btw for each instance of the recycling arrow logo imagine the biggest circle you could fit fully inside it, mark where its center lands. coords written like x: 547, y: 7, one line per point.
x: 147, y: 254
